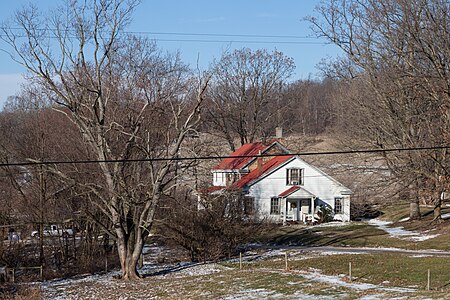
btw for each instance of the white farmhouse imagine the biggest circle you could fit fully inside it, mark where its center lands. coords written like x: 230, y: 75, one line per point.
x: 279, y: 185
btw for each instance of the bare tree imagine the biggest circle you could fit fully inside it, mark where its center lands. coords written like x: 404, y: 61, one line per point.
x: 397, y: 82
x: 245, y: 88
x: 306, y: 106
x: 127, y: 100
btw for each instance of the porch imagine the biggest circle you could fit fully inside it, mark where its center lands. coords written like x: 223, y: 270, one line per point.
x: 297, y: 205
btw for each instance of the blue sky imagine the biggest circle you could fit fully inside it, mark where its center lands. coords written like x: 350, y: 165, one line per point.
x: 158, y: 18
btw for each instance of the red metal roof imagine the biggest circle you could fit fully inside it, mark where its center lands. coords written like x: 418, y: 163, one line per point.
x: 265, y: 168
x: 237, y: 163
x: 289, y: 191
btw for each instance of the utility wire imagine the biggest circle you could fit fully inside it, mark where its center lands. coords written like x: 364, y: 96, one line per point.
x: 214, y: 41
x: 239, y: 41
x: 366, y: 151
x: 72, y: 33
x: 329, y: 174
x: 177, y: 33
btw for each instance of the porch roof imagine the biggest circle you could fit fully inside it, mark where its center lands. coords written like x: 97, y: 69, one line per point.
x: 296, y: 191
x: 289, y: 191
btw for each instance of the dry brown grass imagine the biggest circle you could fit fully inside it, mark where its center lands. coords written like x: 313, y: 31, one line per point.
x: 22, y: 292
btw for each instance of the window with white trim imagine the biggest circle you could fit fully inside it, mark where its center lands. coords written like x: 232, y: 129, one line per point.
x: 338, y: 205
x: 294, y: 176
x: 275, y: 206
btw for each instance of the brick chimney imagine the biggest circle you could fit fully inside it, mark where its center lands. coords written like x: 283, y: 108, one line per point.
x: 278, y: 132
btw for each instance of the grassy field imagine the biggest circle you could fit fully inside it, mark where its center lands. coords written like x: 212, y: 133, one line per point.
x: 361, y: 234
x: 308, y: 277
x: 311, y: 275
x: 395, y: 270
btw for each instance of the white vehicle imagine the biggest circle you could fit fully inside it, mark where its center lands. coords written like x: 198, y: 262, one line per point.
x: 53, y: 230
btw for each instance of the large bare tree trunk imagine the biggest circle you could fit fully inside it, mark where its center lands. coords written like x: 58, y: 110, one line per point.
x: 129, y: 250
x: 414, y: 210
x: 437, y: 202
x: 414, y: 206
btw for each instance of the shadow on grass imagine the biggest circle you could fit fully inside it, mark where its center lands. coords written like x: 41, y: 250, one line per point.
x: 307, y: 237
x: 172, y: 270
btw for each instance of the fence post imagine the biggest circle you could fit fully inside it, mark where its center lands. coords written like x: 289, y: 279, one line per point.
x: 350, y: 271
x: 240, y: 260
x: 13, y: 275
x: 286, y: 260
x: 429, y: 280
x: 41, y: 272
x: 106, y: 264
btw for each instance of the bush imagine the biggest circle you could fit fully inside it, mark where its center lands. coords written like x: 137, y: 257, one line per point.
x: 325, y: 214
x: 210, y: 229
x: 364, y: 211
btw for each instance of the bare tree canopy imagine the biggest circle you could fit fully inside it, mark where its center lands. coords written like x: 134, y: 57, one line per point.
x: 125, y: 97
x: 245, y: 87
x: 397, y: 82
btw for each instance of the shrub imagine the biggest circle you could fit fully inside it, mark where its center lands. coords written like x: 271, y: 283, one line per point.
x: 212, y: 228
x: 325, y: 214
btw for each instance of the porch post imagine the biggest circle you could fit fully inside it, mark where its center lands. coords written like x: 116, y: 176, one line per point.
x: 284, y: 209
x: 312, y: 209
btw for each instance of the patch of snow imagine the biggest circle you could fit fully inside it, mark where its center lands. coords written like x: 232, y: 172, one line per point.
x: 423, y: 237
x: 254, y: 294
x: 56, y: 289
x: 196, y: 270
x: 445, y: 216
x: 266, y: 294
x: 420, y: 255
x: 269, y: 254
x: 373, y: 297
x: 404, y: 219
x: 392, y: 249
x: 337, y: 280
x: 327, y: 252
x: 400, y: 232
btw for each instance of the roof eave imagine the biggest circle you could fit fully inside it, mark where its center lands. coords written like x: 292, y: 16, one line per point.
x: 264, y: 175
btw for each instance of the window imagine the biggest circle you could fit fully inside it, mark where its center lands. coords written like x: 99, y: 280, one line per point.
x: 294, y: 176
x: 231, y: 178
x: 338, y: 205
x: 275, y: 206
x: 249, y: 205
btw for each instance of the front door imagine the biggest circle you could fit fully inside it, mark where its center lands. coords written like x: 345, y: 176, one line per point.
x: 293, y: 209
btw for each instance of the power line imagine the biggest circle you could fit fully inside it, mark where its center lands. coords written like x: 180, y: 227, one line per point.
x: 215, y: 41
x: 239, y: 41
x: 366, y: 151
x: 329, y: 174
x: 222, y: 35
x: 180, y: 33
x: 191, y: 40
